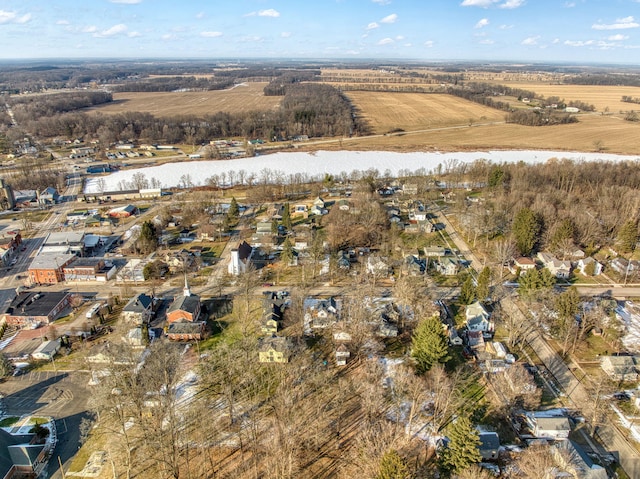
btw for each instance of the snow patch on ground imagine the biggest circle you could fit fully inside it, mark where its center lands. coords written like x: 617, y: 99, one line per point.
x: 318, y: 163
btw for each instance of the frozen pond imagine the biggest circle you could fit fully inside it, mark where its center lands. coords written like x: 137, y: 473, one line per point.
x: 316, y: 164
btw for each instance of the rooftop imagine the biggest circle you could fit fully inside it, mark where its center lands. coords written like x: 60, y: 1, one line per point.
x: 64, y: 237
x: 35, y: 303
x: 51, y: 260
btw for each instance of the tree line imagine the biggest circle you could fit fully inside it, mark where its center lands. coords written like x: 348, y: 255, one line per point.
x: 306, y: 109
x: 617, y: 79
x: 28, y: 108
x: 630, y: 99
x: 544, y: 117
x: 174, y: 83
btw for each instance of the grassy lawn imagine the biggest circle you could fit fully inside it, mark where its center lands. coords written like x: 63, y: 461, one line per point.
x: 95, y: 442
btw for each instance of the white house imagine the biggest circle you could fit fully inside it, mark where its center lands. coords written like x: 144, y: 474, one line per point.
x: 240, y: 259
x: 559, y: 269
x: 548, y: 426
x: 585, y: 262
x: 477, y: 318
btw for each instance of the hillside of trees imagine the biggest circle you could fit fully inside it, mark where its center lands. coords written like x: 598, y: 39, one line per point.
x: 307, y: 109
x: 27, y: 108
x: 174, y: 83
x: 539, y: 118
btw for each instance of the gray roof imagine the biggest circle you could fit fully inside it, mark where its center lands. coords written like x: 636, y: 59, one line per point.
x: 25, y: 454
x: 489, y: 441
x: 138, y: 304
x: 186, y: 327
x: 65, y: 237
x: 189, y: 304
x: 51, y: 260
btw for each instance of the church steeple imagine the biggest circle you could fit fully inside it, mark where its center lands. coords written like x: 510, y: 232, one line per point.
x: 186, y: 292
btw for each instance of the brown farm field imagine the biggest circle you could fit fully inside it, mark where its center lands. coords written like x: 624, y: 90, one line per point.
x: 600, y: 96
x: 387, y: 111
x: 241, y: 98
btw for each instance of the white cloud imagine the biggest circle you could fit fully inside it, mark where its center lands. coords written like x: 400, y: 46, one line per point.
x: 12, y: 17
x: 478, y: 3
x: 570, y: 4
x: 269, y: 13
x: 530, y: 40
x: 200, y: 15
x: 390, y: 18
x: 114, y: 30
x: 169, y: 36
x: 556, y: 41
x: 399, y: 37
x: 128, y: 2
x: 429, y: 43
x: 482, y: 23
x: 408, y: 45
x: 285, y: 34
x: 505, y: 27
x: 89, y: 29
x: 618, y: 37
x: 134, y: 34
x: 620, y: 24
x: 382, y: 2
x: 251, y: 39
x: 510, y: 4
x: 372, y: 26
x: 386, y: 41
x: 352, y: 52
x: 211, y: 34
x: 63, y: 22
x: 579, y: 43
x: 486, y: 41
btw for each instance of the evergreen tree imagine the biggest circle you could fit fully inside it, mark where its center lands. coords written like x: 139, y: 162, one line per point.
x: 567, y: 304
x: 286, y: 256
x: 392, y: 466
x: 6, y: 366
x: 467, y: 291
x: 286, y: 216
x: 234, y: 209
x: 274, y: 227
x: 429, y: 344
x: 462, y: 449
x: 565, y: 231
x: 148, y: 240
x: 482, y: 288
x: 526, y: 229
x: 628, y: 237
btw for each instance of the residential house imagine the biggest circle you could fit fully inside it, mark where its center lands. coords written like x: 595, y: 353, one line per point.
x: 49, y: 196
x: 300, y: 210
x: 275, y: 349
x: 623, y: 266
x: 32, y: 308
x: 447, y: 266
x: 559, y: 269
x: 240, y: 259
x: 48, y: 268
x: 139, y: 309
x: 376, y: 265
x: 186, y: 331
x: 180, y: 261
x: 477, y: 318
x: 414, y: 266
x: 489, y: 445
x: 522, y: 264
x: 320, y: 313
x: 546, y: 425
x: 575, y: 462
x: 584, y: 265
x: 619, y: 368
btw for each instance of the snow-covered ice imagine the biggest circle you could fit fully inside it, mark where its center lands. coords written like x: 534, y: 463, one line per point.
x: 316, y: 164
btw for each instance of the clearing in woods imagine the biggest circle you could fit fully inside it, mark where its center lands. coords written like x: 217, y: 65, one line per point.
x: 241, y: 98
x: 387, y: 111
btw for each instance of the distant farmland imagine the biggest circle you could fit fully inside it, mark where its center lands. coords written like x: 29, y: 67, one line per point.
x: 244, y: 97
x: 415, y: 111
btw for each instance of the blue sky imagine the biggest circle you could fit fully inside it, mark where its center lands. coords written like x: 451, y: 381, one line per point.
x: 595, y: 31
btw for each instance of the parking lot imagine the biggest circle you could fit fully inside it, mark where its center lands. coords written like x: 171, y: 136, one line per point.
x: 62, y: 395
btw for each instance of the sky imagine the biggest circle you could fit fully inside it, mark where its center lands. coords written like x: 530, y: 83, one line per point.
x: 581, y: 31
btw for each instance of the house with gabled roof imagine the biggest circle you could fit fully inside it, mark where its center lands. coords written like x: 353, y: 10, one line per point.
x: 185, y: 308
x: 584, y: 265
x: 559, y: 269
x: 477, y: 318
x: 619, y: 368
x: 275, y: 349
x: 320, y: 313
x: 139, y: 309
x: 240, y: 259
